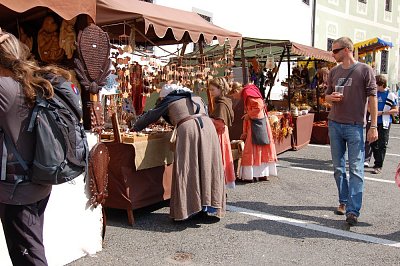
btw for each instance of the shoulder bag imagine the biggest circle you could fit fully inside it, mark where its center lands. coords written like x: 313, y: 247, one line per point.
x: 259, y: 134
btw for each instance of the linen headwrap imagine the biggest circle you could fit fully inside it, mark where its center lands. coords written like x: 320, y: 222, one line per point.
x: 168, y: 88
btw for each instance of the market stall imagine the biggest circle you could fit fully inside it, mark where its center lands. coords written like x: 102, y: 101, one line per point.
x: 259, y: 61
x: 300, y: 97
x: 301, y: 88
x: 158, y: 25
x: 303, y: 95
x: 365, y: 51
x: 141, y: 163
x: 73, y: 228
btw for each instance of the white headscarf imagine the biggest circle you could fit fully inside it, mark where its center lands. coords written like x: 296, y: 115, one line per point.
x: 168, y: 88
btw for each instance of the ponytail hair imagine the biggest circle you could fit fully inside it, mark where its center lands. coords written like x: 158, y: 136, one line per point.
x: 16, y: 57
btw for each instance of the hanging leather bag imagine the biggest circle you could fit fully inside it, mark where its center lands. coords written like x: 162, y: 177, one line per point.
x: 259, y: 134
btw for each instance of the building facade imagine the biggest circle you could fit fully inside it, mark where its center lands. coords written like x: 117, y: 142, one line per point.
x: 362, y: 20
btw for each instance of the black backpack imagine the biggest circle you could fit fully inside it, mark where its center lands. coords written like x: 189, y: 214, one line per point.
x: 61, y: 148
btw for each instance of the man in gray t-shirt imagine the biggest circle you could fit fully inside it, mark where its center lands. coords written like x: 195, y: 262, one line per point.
x: 350, y: 84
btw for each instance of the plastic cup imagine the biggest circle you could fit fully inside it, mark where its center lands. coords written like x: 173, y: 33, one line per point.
x: 339, y: 89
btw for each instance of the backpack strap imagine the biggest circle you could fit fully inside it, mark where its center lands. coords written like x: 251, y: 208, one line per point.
x: 39, y: 103
x: 11, y: 146
x: 19, y: 178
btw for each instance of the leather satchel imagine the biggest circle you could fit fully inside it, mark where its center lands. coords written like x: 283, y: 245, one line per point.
x: 259, y: 134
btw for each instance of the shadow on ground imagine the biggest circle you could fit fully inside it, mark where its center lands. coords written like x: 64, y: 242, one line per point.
x: 292, y: 231
x: 149, y: 220
x: 307, y: 163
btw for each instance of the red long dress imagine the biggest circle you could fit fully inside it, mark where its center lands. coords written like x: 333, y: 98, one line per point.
x: 257, y: 160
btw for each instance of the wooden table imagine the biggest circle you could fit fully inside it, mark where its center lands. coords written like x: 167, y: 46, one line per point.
x: 284, y: 145
x: 303, y: 126
x: 132, y: 186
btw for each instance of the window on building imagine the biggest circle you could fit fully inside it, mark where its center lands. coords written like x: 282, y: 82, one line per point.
x: 329, y: 44
x: 384, y: 62
x: 388, y: 5
x: 362, y: 1
x: 307, y: 2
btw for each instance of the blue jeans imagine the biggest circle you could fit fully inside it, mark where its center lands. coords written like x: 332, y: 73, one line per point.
x: 351, y: 189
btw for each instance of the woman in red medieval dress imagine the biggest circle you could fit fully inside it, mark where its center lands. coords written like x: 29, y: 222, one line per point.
x: 258, y: 161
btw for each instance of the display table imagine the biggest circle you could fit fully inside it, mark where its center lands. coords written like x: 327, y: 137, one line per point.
x: 284, y: 145
x: 139, y: 174
x: 303, y: 126
x: 72, y: 229
x: 280, y: 126
x: 320, y: 133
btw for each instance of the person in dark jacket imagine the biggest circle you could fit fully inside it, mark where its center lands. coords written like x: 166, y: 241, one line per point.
x: 22, y: 205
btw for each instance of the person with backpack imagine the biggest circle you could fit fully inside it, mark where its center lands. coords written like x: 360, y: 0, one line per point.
x: 22, y: 203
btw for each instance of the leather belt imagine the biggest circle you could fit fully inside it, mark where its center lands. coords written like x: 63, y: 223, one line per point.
x: 189, y: 118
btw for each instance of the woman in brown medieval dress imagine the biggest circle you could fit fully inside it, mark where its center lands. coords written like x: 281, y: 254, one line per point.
x: 198, y: 182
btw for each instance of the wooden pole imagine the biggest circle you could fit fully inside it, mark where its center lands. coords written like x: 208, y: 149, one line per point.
x: 244, y: 70
x: 202, y: 60
x: 288, y: 60
x: 202, y: 66
x: 276, y: 73
x: 182, y: 54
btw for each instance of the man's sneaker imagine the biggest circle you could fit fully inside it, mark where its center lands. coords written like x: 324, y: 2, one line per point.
x: 341, y: 210
x: 351, y: 219
x: 377, y: 170
x: 366, y: 164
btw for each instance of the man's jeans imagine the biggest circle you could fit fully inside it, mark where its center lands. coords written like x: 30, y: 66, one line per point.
x: 350, y: 190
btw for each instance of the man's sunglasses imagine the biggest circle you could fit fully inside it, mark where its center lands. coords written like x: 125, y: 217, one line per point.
x: 335, y: 51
